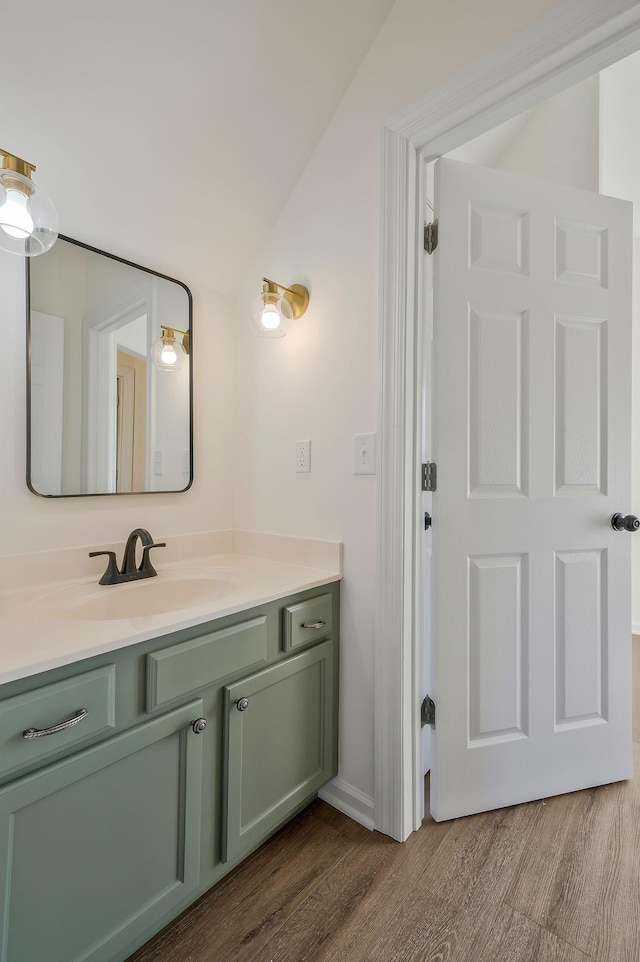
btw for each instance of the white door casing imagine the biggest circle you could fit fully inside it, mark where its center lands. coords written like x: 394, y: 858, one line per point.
x: 532, y: 408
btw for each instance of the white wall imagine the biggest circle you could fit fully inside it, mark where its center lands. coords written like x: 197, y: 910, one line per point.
x: 320, y: 382
x: 28, y: 523
x: 68, y: 302
x: 620, y: 147
x: 558, y: 141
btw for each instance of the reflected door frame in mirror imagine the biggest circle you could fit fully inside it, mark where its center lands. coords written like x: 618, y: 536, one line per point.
x: 92, y: 318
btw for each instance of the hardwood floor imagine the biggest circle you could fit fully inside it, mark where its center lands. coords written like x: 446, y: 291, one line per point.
x: 551, y: 881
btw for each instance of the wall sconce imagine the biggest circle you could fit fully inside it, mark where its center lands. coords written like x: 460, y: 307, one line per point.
x: 276, y: 306
x: 168, y: 353
x: 28, y: 219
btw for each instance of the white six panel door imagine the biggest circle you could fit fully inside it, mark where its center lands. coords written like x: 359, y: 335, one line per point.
x: 532, y: 437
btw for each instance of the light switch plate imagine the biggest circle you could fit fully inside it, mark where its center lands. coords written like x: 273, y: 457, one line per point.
x: 158, y: 461
x: 303, y: 457
x: 364, y: 454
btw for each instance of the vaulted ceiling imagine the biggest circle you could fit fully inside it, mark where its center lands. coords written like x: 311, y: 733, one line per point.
x: 173, y: 133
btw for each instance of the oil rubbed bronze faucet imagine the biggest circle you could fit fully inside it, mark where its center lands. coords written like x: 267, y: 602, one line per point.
x: 130, y: 571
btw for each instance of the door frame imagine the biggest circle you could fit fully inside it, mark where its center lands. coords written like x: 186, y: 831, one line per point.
x: 575, y: 40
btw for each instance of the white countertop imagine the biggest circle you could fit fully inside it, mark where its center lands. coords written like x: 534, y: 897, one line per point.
x: 47, y: 626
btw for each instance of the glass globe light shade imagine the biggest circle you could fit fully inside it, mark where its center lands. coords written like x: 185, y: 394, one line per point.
x: 271, y: 314
x: 28, y: 219
x: 167, y: 353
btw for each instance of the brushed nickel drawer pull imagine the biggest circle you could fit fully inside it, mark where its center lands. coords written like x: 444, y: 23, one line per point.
x: 79, y: 716
x: 313, y: 624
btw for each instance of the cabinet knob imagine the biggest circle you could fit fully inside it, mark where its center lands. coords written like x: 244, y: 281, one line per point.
x: 242, y: 704
x: 198, y: 726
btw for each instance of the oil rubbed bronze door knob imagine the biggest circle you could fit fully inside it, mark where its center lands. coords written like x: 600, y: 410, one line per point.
x: 621, y: 523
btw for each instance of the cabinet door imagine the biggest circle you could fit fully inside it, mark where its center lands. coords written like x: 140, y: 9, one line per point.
x: 279, y: 745
x: 97, y: 848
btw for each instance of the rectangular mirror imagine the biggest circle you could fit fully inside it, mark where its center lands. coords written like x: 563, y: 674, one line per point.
x: 109, y: 385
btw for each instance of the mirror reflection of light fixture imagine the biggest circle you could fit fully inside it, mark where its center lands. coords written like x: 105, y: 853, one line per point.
x: 168, y: 353
x: 28, y: 219
x: 277, y: 306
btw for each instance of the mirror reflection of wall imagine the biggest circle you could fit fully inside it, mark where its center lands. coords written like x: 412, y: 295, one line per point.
x: 103, y: 418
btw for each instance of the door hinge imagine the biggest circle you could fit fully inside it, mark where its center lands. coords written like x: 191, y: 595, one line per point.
x: 431, y: 237
x: 428, y: 712
x: 429, y: 476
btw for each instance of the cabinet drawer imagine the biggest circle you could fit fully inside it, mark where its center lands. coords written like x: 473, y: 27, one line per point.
x: 49, y: 707
x: 306, y: 623
x: 191, y: 665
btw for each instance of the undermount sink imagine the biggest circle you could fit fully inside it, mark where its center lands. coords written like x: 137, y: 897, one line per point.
x: 138, y: 599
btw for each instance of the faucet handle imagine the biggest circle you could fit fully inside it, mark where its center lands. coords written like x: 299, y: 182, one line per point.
x: 146, y: 568
x: 111, y: 575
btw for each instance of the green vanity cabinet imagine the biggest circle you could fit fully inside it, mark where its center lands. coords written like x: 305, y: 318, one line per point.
x: 279, y: 745
x: 112, y: 824
x: 99, y: 846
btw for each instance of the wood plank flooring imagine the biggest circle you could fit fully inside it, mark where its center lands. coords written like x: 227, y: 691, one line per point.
x: 552, y: 881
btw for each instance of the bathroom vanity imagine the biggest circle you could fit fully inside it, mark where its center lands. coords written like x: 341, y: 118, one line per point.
x: 174, y: 757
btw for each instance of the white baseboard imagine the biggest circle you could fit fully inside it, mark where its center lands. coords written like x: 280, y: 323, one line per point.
x: 635, y: 629
x: 350, y: 801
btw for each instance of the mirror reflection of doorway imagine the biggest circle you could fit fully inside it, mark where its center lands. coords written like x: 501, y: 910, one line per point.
x: 131, y: 401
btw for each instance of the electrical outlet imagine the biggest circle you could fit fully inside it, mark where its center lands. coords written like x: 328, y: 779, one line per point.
x: 158, y: 466
x: 364, y: 454
x: 303, y: 457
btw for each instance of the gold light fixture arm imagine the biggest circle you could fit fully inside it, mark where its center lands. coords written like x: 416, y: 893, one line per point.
x: 297, y: 296
x: 16, y: 164
x: 172, y: 330
x: 171, y: 333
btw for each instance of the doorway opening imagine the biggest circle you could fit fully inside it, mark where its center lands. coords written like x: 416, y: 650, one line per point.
x: 574, y: 140
x: 563, y: 48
